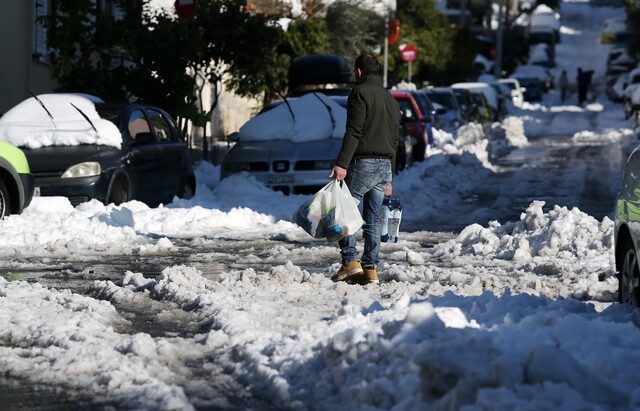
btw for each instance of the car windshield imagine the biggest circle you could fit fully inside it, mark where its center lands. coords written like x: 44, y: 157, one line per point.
x: 109, y: 112
x: 511, y: 85
x: 424, y: 103
x: 446, y: 100
x: 477, y: 98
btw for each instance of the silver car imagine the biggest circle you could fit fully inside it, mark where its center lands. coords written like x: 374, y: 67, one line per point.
x: 295, y: 167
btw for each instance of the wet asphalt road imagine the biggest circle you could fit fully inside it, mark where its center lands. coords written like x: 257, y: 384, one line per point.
x: 551, y: 168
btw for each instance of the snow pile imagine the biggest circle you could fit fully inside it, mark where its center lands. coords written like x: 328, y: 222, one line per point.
x: 68, y: 338
x: 514, y: 131
x: 607, y: 136
x: 348, y: 347
x: 505, y: 136
x: 29, y: 125
x: 51, y: 226
x: 316, y: 117
x: 452, y: 171
x: 561, y: 233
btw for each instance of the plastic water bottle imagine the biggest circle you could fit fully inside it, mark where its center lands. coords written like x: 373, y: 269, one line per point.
x: 391, y: 222
x: 384, y: 232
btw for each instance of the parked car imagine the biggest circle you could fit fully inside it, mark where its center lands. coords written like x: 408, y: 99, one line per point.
x: 627, y: 232
x: 616, y: 86
x: 533, y: 88
x: 431, y: 110
x: 451, y: 119
x: 544, y: 25
x: 615, y: 31
x: 146, y: 159
x: 302, y: 166
x: 632, y: 85
x: 298, y: 167
x: 415, y: 123
x: 16, y: 181
x: 468, y: 108
x: 485, y: 98
x: 517, y: 97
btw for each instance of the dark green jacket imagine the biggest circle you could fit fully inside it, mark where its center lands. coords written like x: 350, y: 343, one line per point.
x: 373, y: 123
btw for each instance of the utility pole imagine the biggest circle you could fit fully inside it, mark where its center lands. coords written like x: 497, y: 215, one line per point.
x: 499, y: 41
x: 386, y: 53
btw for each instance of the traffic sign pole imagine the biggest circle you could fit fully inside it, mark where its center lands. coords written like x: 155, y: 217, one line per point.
x: 386, y: 55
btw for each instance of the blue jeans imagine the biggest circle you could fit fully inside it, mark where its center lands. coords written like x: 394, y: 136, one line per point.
x: 367, y: 179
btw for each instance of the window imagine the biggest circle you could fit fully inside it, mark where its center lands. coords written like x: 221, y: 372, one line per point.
x: 160, y: 126
x: 138, y: 124
x: 407, y: 110
x: 41, y: 10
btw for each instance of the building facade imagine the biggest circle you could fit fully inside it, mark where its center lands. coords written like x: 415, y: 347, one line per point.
x: 24, y: 66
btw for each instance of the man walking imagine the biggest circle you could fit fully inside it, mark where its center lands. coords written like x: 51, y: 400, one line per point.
x: 564, y: 85
x: 365, y: 162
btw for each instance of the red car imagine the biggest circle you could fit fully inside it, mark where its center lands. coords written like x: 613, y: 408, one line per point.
x: 415, y: 123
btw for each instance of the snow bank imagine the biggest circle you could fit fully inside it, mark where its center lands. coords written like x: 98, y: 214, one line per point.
x: 236, y: 207
x: 313, y: 121
x: 344, y: 347
x: 561, y: 233
x: 28, y: 125
x: 67, y: 338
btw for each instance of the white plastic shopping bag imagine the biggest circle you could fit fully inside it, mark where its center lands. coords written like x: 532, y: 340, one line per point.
x: 332, y: 213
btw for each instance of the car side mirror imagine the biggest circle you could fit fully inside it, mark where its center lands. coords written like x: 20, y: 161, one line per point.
x: 233, y: 137
x: 523, y: 89
x: 144, y: 138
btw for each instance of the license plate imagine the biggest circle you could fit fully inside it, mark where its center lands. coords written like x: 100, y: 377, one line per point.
x: 36, y: 192
x: 281, y: 179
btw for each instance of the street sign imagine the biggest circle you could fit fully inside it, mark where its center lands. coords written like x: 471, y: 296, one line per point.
x: 185, y: 8
x: 408, y: 53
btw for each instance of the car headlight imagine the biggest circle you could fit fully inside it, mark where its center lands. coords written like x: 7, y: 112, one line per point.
x: 86, y: 169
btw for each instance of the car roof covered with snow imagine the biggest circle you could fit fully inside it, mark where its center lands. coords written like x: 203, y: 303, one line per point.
x: 63, y: 119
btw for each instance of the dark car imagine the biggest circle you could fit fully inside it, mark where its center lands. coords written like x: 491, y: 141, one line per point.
x: 445, y: 97
x: 415, y: 123
x: 533, y: 88
x: 152, y: 165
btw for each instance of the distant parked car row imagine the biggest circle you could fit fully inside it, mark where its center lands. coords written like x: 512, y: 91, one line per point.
x: 293, y: 142
x: 79, y: 147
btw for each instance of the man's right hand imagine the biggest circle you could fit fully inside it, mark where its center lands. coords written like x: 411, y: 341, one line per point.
x: 388, y: 190
x: 338, y: 173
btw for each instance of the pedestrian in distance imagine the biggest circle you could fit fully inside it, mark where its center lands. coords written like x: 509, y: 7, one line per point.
x: 581, y: 80
x: 366, y: 163
x: 564, y: 85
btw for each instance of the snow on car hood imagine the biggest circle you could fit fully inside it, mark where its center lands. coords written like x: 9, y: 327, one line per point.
x: 29, y: 125
x: 312, y: 121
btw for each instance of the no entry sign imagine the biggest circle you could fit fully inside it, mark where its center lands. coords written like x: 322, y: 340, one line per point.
x: 409, y: 53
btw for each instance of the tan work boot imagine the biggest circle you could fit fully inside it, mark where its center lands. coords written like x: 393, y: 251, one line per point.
x: 347, y: 270
x: 369, y: 276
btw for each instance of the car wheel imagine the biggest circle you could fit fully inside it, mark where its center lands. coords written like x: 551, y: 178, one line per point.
x: 119, y: 192
x: 629, y: 280
x: 5, y: 201
x: 419, y: 149
x: 189, y: 190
